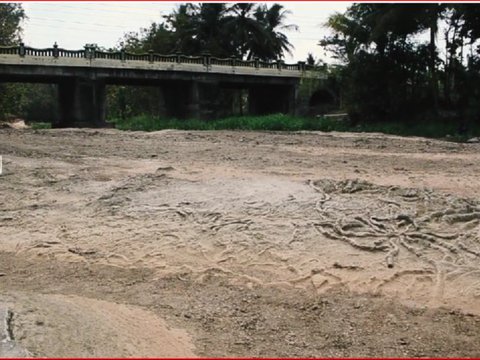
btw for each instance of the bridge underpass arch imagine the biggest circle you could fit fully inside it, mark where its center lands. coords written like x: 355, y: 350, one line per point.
x: 79, y: 100
x: 322, y: 101
x: 29, y: 101
x: 84, y: 101
x: 204, y: 100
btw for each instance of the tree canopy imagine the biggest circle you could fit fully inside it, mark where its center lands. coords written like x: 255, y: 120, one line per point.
x: 12, y: 95
x: 243, y: 30
x: 11, y: 17
x: 392, y: 72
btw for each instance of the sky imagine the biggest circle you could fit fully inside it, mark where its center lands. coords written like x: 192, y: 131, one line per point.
x: 74, y: 24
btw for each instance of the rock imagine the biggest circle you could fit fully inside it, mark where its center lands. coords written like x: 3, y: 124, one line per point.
x: 8, y: 346
x: 474, y: 140
x: 18, y: 124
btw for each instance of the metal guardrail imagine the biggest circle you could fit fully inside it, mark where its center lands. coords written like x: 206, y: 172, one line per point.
x: 90, y: 52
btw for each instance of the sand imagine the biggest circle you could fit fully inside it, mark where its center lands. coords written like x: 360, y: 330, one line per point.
x: 179, y: 244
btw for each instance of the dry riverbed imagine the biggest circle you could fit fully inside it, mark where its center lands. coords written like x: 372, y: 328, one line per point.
x: 177, y: 243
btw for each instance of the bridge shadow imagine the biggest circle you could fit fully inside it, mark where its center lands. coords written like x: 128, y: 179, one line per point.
x: 82, y: 102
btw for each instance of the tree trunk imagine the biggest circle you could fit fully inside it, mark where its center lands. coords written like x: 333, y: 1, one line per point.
x: 448, y: 68
x: 433, y: 72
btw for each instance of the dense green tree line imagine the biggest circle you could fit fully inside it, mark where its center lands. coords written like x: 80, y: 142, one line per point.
x: 394, y: 62
x: 394, y: 68
x: 243, y: 30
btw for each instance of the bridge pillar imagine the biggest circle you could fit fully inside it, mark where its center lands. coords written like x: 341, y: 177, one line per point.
x: 182, y: 99
x: 194, y: 101
x: 271, y: 99
x: 81, y: 103
x: 293, y: 100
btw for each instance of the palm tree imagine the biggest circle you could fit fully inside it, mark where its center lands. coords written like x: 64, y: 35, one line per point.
x: 244, y: 29
x: 274, y: 44
x: 182, y: 23
x: 210, y: 28
x: 402, y: 20
x: 349, y: 34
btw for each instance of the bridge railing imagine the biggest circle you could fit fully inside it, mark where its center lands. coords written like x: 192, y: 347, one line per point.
x: 90, y: 52
x: 71, y: 53
x: 38, y: 52
x: 220, y: 62
x: 246, y: 63
x: 108, y: 55
x: 190, y: 59
x: 9, y: 50
x: 164, y: 58
x: 268, y: 65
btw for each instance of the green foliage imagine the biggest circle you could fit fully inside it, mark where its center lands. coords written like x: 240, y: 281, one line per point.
x: 390, y: 76
x: 11, y: 17
x: 243, y: 30
x: 41, y: 125
x: 127, y: 101
x: 275, y: 122
x: 280, y: 122
x: 34, y: 102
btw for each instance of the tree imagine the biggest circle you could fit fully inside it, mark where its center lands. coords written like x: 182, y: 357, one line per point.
x: 349, y: 35
x: 384, y: 75
x: 245, y: 31
x: 274, y: 43
x: 310, y: 59
x: 402, y: 20
x: 210, y: 29
x: 11, y: 17
x: 389, y: 74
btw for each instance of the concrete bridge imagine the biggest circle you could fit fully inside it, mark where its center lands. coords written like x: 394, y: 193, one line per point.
x: 190, y: 84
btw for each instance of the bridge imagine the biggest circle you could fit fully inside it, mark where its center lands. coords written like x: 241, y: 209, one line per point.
x: 189, y: 84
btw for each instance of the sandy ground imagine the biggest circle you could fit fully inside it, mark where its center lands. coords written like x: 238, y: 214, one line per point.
x: 225, y: 243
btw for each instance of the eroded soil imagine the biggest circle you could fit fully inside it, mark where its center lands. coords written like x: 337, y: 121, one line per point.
x: 178, y: 243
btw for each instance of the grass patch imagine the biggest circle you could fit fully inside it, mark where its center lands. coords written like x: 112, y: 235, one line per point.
x: 275, y: 122
x: 40, y: 125
x: 281, y: 122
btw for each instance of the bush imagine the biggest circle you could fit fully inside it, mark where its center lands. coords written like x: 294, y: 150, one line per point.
x: 280, y: 122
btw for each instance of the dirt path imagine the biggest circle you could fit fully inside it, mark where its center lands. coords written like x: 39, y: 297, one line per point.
x: 256, y: 244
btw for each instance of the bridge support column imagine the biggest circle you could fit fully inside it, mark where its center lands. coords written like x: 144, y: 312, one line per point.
x: 81, y: 103
x: 162, y: 104
x: 182, y: 99
x: 293, y: 99
x: 263, y: 100
x: 194, y: 101
x: 210, y: 100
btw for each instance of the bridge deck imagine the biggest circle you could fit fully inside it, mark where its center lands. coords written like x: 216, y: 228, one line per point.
x: 91, y: 58
x: 145, y: 65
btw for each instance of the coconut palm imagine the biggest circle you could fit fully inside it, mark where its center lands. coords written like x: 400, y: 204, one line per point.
x: 274, y: 44
x: 243, y: 29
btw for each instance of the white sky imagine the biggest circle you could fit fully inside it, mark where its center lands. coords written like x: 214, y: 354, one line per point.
x: 74, y: 24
